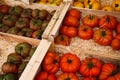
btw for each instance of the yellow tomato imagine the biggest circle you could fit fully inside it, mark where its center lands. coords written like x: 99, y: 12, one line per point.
x: 94, y: 6
x: 87, y: 2
x: 107, y: 8
x: 116, y: 5
x: 78, y: 4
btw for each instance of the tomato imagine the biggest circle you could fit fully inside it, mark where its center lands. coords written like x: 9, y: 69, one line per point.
x: 50, y: 62
x: 89, y: 78
x: 62, y: 39
x: 117, y: 36
x: 37, y: 34
x: 68, y: 31
x: 74, y: 13
x: 90, y: 67
x: 90, y: 20
x: 87, y: 2
x: 67, y: 76
x: 85, y: 32
x: 108, y: 22
x: 95, y: 6
x: 4, y: 9
x: 109, y: 72
x: 45, y: 76
x: 69, y: 63
x: 71, y: 21
x: 115, y: 44
x: 9, y: 67
x: 118, y: 28
x: 103, y: 36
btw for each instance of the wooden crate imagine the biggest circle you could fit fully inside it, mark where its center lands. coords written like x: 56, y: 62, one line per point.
x: 38, y: 6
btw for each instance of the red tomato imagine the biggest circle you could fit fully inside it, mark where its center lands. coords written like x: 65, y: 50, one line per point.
x: 118, y: 28
x: 67, y: 76
x: 71, y: 21
x: 85, y: 32
x: 90, y: 20
x: 45, y: 76
x: 74, y: 13
x: 89, y: 78
x: 117, y: 36
x: 109, y: 72
x: 103, y: 36
x: 69, y: 63
x: 90, y: 67
x: 68, y: 31
x: 115, y: 44
x: 108, y: 22
x: 50, y: 62
x: 62, y: 39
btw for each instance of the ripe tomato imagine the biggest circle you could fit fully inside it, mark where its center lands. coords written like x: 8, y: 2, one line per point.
x: 89, y: 78
x: 90, y: 67
x: 115, y: 44
x: 118, y: 28
x: 117, y: 36
x: 108, y: 22
x: 68, y: 31
x: 74, y: 13
x: 69, y: 63
x: 67, y: 76
x: 109, y: 72
x: 90, y: 20
x: 71, y: 21
x: 85, y: 32
x: 103, y: 36
x: 4, y: 9
x: 50, y: 62
x: 45, y: 76
x: 62, y: 39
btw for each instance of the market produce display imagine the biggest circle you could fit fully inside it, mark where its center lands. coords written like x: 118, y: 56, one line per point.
x: 109, y: 5
x: 16, y: 61
x: 24, y: 21
x: 72, y: 67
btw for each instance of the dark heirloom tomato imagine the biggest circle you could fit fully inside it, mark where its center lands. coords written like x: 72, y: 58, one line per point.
x: 89, y: 78
x: 90, y: 20
x: 69, y: 63
x: 103, y: 36
x: 85, y: 32
x: 68, y: 31
x: 67, y: 76
x: 50, y: 62
x: 71, y: 21
x: 4, y: 9
x: 62, y: 39
x: 74, y: 13
x: 109, y: 72
x: 90, y: 67
x: 108, y: 22
x: 45, y: 76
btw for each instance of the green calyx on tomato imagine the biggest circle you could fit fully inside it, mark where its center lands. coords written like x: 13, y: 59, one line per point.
x: 115, y: 71
x: 108, y: 19
x: 90, y: 65
x: 85, y: 29
x: 90, y: 6
x: 67, y: 79
x: 55, y: 61
x: 69, y: 61
x: 103, y: 33
x: 62, y: 38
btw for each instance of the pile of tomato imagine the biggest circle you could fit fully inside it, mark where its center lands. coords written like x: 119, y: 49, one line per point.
x: 70, y: 67
x: 105, y: 30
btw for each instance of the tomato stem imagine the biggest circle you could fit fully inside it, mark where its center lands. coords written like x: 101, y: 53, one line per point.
x: 88, y: 1
x: 108, y: 19
x: 85, y: 29
x: 55, y: 61
x: 91, y: 17
x: 116, y: 5
x: 62, y: 38
x: 103, y: 33
x: 90, y: 65
x: 69, y: 61
x: 67, y: 79
x: 90, y: 6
